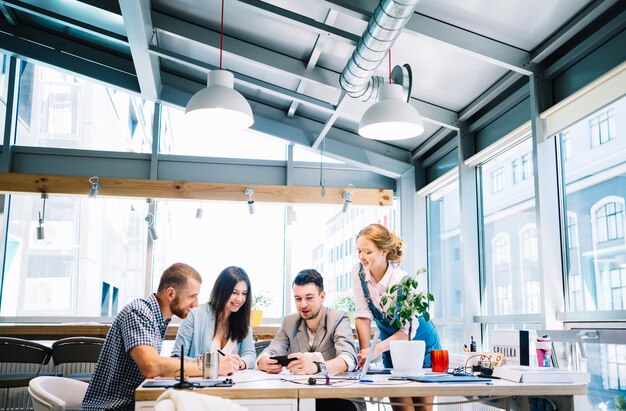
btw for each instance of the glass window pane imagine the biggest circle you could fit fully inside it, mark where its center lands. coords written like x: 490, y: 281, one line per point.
x: 593, y: 179
x: 227, y: 234
x: 89, y: 263
x: 178, y: 136
x: 444, y: 252
x: 510, y: 263
x: 324, y: 239
x: 606, y: 364
x: 60, y: 110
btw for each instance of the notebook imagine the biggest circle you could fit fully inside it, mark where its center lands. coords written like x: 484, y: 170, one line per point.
x: 360, y: 374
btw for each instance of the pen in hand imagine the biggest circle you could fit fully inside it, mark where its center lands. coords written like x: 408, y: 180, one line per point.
x: 220, y: 352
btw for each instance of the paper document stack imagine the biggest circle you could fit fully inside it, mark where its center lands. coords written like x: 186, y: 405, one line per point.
x: 525, y: 374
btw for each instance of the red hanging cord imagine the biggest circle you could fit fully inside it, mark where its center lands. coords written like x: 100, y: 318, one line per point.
x: 222, y: 35
x: 389, y: 66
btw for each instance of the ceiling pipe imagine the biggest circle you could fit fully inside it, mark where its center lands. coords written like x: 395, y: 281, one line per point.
x: 386, y: 24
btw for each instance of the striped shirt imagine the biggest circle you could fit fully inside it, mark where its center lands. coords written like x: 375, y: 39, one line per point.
x: 116, y: 376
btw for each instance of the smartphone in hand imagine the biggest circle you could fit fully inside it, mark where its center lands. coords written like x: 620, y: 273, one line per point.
x: 282, y: 359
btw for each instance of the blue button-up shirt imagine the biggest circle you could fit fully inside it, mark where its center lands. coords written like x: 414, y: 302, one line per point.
x: 116, y: 375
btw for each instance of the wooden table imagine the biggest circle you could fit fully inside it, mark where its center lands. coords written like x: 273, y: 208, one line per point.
x: 263, y: 392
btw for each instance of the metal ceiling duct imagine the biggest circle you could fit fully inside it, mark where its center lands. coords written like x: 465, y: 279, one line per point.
x: 386, y: 24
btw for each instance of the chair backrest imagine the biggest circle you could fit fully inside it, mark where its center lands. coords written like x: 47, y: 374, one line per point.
x: 17, y: 350
x: 260, y: 345
x: 56, y: 393
x: 77, y: 349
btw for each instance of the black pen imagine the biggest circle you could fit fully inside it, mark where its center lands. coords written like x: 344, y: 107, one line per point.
x: 221, y: 353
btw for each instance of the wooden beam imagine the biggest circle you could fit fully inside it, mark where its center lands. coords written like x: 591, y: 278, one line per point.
x: 186, y: 190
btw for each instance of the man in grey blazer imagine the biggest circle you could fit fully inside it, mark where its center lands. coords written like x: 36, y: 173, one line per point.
x: 319, y: 339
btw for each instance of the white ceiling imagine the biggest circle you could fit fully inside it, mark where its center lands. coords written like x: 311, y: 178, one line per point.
x: 287, y: 55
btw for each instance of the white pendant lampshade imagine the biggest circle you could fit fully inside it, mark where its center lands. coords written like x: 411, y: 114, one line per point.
x: 391, y: 118
x: 219, y: 104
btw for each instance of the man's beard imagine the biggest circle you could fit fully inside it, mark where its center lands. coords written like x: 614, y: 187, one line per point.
x: 177, y: 308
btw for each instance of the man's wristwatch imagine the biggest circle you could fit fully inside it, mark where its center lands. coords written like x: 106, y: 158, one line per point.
x: 321, y: 367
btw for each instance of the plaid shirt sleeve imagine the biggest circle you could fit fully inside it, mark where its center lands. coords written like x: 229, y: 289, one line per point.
x: 139, y: 329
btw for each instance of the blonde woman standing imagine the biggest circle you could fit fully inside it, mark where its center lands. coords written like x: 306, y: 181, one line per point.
x: 379, y: 253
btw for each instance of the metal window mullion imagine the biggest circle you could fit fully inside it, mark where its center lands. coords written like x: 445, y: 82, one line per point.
x: 472, y: 249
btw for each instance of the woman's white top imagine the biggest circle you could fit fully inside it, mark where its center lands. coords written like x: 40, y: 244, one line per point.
x: 392, y: 276
x: 229, y: 348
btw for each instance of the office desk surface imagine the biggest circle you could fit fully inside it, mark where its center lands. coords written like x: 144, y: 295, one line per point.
x: 258, y: 385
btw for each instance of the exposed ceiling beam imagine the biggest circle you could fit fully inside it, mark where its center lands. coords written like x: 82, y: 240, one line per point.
x: 30, y: 51
x: 481, y: 47
x: 488, y: 95
x: 589, y: 13
x: 70, y: 47
x: 434, y: 114
x: 329, y: 123
x: 320, y: 42
x: 8, y: 14
x: 251, y: 81
x: 430, y: 143
x: 590, y: 43
x: 64, y: 20
x: 512, y: 100
x: 322, y: 83
x: 323, y: 29
x: 136, y: 15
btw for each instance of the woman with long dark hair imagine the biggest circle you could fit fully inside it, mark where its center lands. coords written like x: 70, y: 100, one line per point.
x: 222, y: 324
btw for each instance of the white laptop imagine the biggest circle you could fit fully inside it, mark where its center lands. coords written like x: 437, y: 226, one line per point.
x: 360, y: 374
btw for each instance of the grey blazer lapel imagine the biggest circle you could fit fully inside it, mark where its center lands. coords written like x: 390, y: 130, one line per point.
x: 321, y: 330
x: 302, y: 337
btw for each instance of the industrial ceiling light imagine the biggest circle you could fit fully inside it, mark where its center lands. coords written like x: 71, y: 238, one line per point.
x: 251, y: 207
x: 218, y: 104
x: 151, y: 230
x: 347, y: 198
x: 95, y: 186
x: 41, y: 234
x: 391, y: 118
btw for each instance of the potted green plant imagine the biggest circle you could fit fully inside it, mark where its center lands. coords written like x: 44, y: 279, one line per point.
x: 346, y: 303
x: 260, y: 301
x: 402, y: 303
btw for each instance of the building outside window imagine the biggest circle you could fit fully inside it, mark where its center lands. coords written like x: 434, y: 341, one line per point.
x: 592, y: 179
x: 510, y: 258
x: 501, y: 249
x: 497, y: 180
x: 609, y: 220
x: 602, y: 128
x: 445, y: 280
x: 56, y: 109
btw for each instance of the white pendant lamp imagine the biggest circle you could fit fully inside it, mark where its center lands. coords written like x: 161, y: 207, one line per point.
x: 219, y: 104
x: 391, y: 118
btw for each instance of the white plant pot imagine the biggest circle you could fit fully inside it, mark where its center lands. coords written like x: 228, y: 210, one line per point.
x: 407, y: 357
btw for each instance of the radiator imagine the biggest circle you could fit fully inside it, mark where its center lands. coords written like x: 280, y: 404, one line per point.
x: 15, y: 398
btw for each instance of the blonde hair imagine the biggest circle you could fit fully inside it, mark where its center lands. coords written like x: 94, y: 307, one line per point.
x: 384, y: 239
